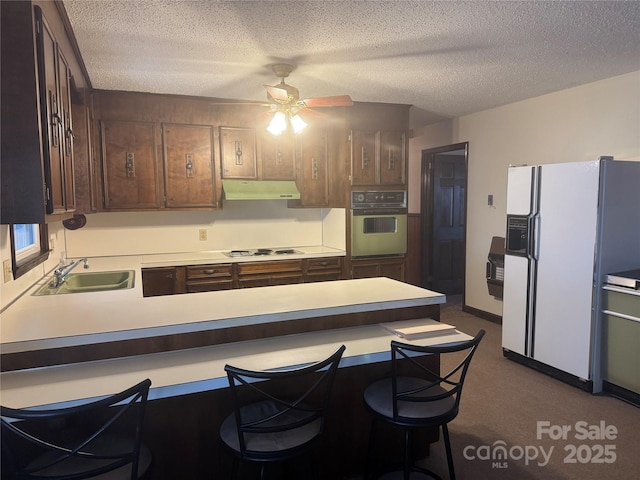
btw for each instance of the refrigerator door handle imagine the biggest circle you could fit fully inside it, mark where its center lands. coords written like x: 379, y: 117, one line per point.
x: 534, y: 237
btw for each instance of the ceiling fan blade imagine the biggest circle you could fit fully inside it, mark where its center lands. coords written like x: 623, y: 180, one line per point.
x: 277, y: 93
x: 335, y: 101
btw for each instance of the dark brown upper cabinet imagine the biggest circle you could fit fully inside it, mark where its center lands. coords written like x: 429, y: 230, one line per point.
x: 129, y: 165
x: 238, y: 153
x: 378, y: 158
x: 313, y: 180
x: 363, y: 158
x: 379, y: 136
x: 55, y: 112
x: 188, y: 166
x: 277, y: 154
x: 37, y: 132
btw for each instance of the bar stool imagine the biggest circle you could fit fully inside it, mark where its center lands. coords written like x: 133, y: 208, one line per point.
x: 278, y: 414
x: 418, y: 397
x: 97, y: 440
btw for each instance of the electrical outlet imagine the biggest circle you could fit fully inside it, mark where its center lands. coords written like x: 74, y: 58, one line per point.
x: 6, y: 268
x: 202, y: 234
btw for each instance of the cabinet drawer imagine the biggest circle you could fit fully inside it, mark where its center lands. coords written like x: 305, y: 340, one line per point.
x: 209, y: 286
x: 270, y: 267
x: 209, y: 271
x: 321, y: 276
x: 329, y: 263
x: 270, y: 279
x: 620, y: 302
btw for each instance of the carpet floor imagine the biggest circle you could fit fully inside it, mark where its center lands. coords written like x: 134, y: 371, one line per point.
x: 516, y: 423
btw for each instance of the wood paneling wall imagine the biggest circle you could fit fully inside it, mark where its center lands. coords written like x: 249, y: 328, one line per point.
x: 414, y: 257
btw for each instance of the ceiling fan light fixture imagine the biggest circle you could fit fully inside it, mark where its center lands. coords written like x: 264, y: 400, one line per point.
x: 297, y: 123
x: 278, y: 124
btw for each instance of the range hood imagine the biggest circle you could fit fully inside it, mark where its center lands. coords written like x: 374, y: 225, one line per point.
x: 260, y: 190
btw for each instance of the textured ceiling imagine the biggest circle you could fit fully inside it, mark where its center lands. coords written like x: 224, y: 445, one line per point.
x: 446, y: 58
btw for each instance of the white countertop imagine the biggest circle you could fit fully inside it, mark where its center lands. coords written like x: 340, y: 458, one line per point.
x: 34, y: 323
x: 200, y: 258
x: 196, y: 370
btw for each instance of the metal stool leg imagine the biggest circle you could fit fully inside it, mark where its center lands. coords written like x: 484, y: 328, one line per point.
x: 367, y: 463
x: 407, y: 454
x: 447, y: 445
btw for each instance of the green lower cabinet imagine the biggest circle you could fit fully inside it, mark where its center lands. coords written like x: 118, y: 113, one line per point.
x: 621, y: 355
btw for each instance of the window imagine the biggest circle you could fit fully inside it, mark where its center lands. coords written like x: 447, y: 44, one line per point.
x: 29, y: 247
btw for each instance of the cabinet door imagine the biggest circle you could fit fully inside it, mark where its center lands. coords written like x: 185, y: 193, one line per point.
x: 391, y: 268
x: 66, y: 134
x: 277, y: 153
x: 159, y: 281
x: 51, y: 116
x: 129, y: 165
x: 238, y: 152
x: 188, y: 166
x: 314, y: 165
x: 368, y: 270
x: 363, y: 158
x: 391, y: 148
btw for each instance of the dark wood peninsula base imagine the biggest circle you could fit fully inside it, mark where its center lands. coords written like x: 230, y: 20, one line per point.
x: 183, y: 434
x: 166, y: 343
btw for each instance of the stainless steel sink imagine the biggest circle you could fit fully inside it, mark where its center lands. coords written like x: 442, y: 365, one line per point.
x: 91, y: 282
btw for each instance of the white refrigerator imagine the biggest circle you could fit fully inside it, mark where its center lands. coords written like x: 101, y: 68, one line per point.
x: 568, y: 225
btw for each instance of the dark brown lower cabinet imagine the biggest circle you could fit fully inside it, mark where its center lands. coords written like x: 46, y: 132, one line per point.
x: 264, y: 274
x: 384, y: 267
x: 161, y: 281
x: 323, y: 269
x: 226, y: 276
x: 209, y: 278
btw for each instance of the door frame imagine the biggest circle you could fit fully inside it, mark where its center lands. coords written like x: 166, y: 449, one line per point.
x: 426, y: 210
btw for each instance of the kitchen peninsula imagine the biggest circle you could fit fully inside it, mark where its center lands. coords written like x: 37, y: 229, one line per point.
x: 296, y: 323
x: 60, y: 329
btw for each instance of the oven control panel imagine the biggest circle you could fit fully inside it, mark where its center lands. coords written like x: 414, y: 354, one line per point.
x: 378, y: 199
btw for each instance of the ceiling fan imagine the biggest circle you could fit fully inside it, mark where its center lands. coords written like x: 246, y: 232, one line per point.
x: 285, y: 103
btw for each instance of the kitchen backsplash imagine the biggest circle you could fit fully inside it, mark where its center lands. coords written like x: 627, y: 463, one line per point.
x: 242, y: 224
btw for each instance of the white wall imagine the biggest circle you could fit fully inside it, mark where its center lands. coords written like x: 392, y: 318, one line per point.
x: 581, y: 123
x: 240, y: 225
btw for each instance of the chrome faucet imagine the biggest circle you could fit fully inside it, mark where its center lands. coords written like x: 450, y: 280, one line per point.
x: 60, y: 273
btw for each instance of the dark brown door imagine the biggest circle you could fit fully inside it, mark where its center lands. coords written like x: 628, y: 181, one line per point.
x: 443, y: 216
